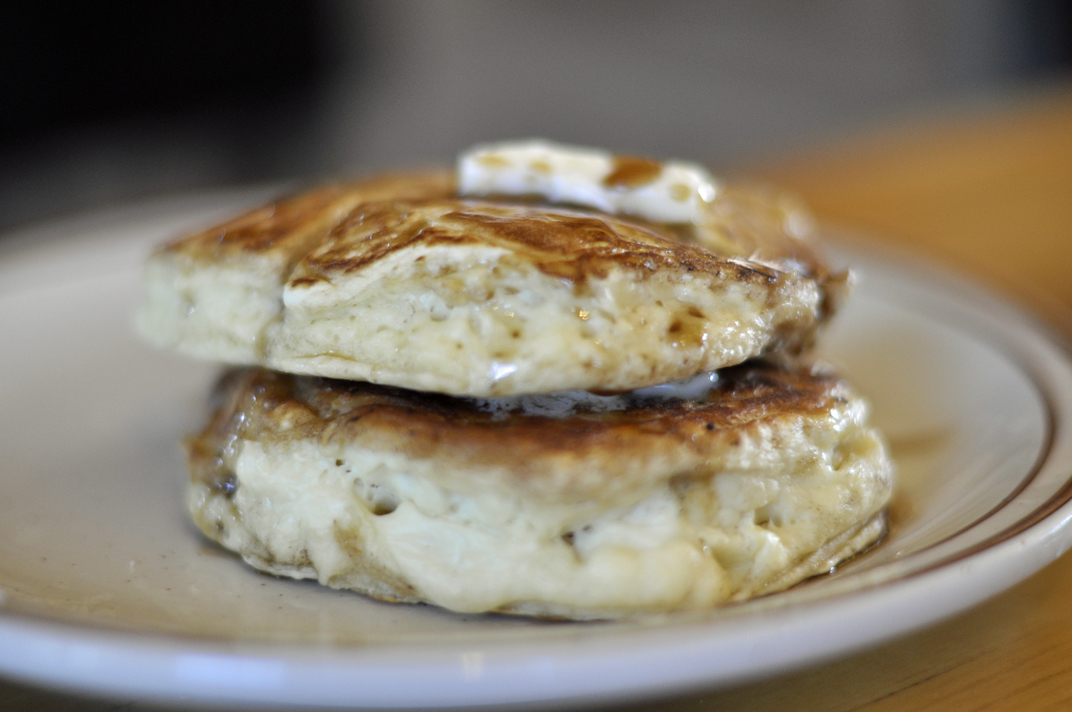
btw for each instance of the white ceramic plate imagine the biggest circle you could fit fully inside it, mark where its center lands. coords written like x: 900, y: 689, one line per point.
x: 105, y: 589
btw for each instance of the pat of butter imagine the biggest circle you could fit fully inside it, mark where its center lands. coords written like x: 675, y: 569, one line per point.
x: 567, y: 404
x: 670, y: 192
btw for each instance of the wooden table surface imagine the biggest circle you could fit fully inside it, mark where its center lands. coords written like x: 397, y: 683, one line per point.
x: 988, y: 192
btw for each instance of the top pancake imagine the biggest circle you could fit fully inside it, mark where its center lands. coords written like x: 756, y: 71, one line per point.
x: 398, y: 280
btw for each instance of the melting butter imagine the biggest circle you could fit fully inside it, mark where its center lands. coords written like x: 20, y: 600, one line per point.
x: 672, y: 192
x: 565, y: 404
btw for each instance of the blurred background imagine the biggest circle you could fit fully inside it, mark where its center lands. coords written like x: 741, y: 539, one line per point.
x: 107, y: 102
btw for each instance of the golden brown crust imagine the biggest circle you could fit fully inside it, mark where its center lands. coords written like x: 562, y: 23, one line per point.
x: 287, y: 228
x: 743, y: 222
x: 568, y: 244
x: 265, y: 405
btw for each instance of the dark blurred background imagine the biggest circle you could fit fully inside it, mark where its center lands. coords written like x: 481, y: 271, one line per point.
x: 106, y: 102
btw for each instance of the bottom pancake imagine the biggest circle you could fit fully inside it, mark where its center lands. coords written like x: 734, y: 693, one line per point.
x: 565, y: 505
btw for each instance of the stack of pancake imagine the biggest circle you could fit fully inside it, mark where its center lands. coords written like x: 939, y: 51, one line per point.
x: 552, y: 382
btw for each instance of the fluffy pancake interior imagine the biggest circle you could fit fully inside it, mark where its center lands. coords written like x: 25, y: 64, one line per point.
x: 505, y: 300
x: 664, y: 506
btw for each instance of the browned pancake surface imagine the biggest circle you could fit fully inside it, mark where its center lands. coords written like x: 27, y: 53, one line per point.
x: 564, y: 243
x: 263, y: 405
x: 292, y: 225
